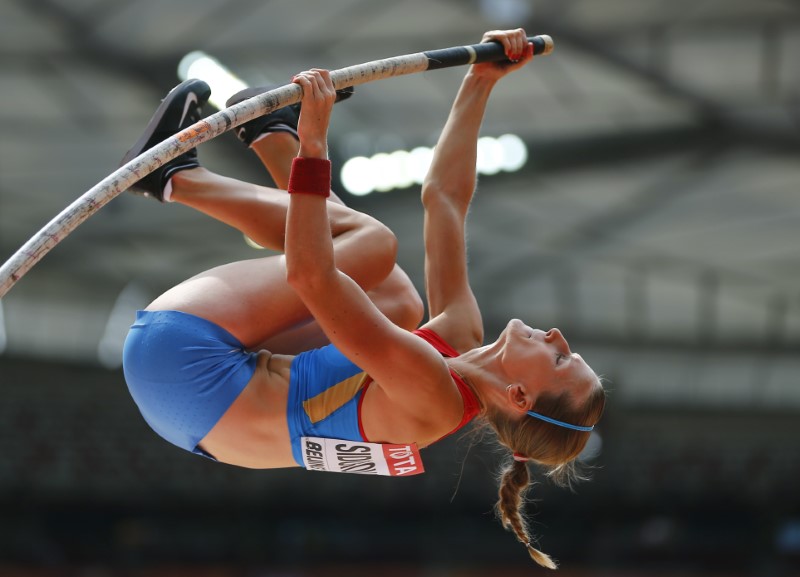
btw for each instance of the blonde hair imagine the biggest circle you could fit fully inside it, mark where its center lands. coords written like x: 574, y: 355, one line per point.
x: 555, y: 448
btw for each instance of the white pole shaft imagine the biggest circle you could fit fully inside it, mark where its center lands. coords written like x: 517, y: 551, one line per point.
x: 120, y: 180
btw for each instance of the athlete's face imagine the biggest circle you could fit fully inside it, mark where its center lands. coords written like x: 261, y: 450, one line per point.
x: 544, y: 362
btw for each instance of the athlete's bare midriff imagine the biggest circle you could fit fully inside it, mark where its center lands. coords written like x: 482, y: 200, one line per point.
x: 253, y: 432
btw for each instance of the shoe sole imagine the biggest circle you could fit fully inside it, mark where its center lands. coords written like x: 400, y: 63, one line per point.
x: 180, y: 91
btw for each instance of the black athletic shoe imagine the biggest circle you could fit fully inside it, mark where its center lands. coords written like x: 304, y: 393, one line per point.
x: 181, y: 108
x: 281, y: 120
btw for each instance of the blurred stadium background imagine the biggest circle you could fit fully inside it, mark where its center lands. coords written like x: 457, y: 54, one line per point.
x: 655, y: 221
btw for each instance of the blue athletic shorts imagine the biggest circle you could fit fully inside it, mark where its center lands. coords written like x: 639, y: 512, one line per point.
x: 184, y: 372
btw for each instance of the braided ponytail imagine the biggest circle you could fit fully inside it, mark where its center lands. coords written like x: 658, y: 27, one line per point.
x: 552, y: 447
x: 514, y: 483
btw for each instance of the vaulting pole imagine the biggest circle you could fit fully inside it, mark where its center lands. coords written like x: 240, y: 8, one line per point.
x: 111, y: 186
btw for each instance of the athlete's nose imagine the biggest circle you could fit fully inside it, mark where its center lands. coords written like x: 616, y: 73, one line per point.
x: 554, y: 336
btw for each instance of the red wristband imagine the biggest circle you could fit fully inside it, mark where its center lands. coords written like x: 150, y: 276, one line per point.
x: 310, y: 176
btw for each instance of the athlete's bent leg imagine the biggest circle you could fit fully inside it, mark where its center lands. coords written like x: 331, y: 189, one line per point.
x: 251, y: 299
x: 396, y: 297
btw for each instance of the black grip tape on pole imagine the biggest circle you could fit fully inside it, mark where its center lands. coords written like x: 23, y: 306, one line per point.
x: 483, y: 52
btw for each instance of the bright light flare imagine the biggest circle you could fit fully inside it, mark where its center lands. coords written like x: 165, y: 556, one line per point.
x: 383, y: 172
x: 222, y: 81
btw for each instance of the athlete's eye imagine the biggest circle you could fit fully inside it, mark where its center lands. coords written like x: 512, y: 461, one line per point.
x: 559, y: 356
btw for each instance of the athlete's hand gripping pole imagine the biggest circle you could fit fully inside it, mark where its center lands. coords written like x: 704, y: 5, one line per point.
x: 111, y: 186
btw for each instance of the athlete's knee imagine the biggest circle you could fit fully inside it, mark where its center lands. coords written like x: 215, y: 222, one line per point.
x: 411, y: 309
x: 399, y: 300
x: 378, y: 242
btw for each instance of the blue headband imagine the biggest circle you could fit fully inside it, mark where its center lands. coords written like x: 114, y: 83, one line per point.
x: 559, y: 423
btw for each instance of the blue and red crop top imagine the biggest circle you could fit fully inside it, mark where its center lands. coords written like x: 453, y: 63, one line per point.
x: 326, y: 390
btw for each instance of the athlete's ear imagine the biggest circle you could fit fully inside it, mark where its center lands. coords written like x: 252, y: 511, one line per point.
x: 518, y: 399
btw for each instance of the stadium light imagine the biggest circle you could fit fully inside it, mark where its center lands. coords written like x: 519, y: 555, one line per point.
x: 383, y: 172
x: 222, y: 81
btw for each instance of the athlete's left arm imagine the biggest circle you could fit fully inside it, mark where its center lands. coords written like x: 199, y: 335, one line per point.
x: 447, y: 193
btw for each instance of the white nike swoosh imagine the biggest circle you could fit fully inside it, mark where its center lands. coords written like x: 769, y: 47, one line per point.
x: 191, y: 98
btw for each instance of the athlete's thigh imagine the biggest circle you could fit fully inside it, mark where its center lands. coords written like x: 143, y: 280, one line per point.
x: 251, y: 299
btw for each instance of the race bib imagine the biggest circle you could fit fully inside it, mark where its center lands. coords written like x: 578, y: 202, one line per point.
x: 340, y: 456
